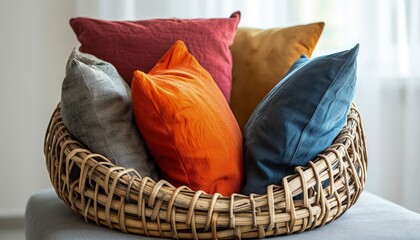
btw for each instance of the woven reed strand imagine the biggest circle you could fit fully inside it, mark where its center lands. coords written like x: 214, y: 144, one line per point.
x: 120, y: 199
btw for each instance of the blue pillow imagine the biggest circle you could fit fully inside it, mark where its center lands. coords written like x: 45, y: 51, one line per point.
x: 298, y: 119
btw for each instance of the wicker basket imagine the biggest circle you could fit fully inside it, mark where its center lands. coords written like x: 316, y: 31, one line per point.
x: 121, y: 199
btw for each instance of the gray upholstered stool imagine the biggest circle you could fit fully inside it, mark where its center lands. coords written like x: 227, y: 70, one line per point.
x: 47, y: 217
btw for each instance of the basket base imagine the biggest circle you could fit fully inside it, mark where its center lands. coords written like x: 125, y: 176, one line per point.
x: 47, y: 217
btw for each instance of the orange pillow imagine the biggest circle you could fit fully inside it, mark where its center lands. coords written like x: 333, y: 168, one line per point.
x: 261, y: 58
x: 188, y: 125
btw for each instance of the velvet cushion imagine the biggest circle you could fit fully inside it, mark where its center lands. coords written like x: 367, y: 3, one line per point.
x: 298, y: 119
x: 138, y: 45
x: 96, y: 109
x: 261, y: 58
x: 188, y: 125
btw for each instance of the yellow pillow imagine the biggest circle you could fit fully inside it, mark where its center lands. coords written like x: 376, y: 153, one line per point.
x: 261, y: 58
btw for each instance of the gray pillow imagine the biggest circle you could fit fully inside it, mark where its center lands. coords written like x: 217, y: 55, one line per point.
x: 96, y: 108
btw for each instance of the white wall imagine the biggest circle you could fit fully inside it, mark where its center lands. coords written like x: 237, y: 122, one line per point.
x: 35, y: 41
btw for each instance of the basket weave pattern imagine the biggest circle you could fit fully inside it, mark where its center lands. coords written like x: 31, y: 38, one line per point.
x: 121, y: 199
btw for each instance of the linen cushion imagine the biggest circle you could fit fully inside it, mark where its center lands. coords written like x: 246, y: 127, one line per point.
x: 298, y: 119
x: 188, y: 125
x: 261, y: 58
x: 96, y: 108
x: 138, y: 45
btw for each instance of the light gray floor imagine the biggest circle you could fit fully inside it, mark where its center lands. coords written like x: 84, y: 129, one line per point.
x: 12, y: 234
x: 12, y: 228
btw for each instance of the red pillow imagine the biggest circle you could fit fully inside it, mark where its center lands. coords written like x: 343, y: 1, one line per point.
x: 138, y: 45
x: 188, y: 125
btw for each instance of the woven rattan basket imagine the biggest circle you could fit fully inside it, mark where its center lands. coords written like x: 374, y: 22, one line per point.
x: 120, y: 199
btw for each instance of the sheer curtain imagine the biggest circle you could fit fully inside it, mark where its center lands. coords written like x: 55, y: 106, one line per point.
x: 388, y: 92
